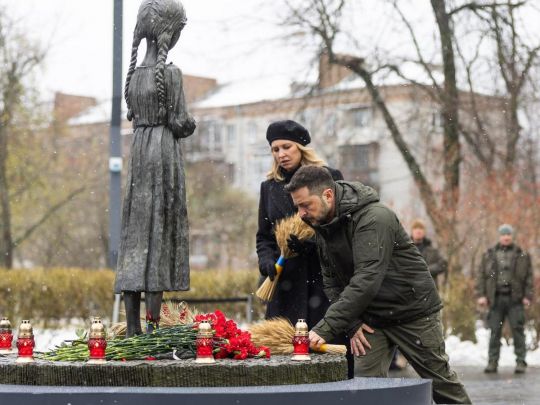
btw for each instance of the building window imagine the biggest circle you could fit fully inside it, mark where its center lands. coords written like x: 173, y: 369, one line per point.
x: 252, y: 132
x: 360, y: 117
x: 436, y: 120
x: 206, y: 140
x: 331, y: 124
x: 302, y: 118
x: 203, y: 137
x: 360, y: 163
x: 215, y: 137
x: 231, y: 135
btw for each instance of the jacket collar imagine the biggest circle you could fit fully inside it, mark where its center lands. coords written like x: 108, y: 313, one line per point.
x: 425, y: 242
x: 287, y: 176
x: 513, y: 247
x: 349, y: 198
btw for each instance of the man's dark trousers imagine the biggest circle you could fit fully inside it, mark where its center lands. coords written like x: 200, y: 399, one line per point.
x: 501, y: 309
x: 422, y: 344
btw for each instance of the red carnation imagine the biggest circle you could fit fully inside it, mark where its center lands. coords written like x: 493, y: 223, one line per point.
x: 237, y: 343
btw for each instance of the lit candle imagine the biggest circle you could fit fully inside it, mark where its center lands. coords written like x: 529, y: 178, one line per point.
x: 205, y: 343
x: 301, y: 341
x: 96, y: 342
x: 6, y: 336
x: 25, y: 343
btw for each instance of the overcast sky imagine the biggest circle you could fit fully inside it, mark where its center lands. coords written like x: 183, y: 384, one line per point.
x: 226, y: 39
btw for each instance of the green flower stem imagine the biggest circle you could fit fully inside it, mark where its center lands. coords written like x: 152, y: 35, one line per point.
x: 138, y: 347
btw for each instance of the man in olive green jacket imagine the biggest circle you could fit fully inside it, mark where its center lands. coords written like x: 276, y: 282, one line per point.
x: 505, y: 285
x: 373, y: 275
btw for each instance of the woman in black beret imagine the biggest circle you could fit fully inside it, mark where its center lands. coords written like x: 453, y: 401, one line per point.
x: 299, y: 292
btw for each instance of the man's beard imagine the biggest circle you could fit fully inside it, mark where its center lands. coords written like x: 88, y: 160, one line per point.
x: 322, y: 218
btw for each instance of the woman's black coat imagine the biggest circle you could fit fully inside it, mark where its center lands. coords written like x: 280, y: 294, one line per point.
x: 299, y: 292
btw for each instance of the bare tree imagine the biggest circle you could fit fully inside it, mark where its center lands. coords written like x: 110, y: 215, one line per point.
x: 466, y: 115
x: 218, y: 209
x: 322, y: 18
x: 515, y: 56
x: 19, y: 60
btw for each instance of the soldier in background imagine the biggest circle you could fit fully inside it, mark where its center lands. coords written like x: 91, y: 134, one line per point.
x: 437, y: 265
x: 505, y: 286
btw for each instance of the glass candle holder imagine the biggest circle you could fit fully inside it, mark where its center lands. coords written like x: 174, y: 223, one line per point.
x: 6, y: 336
x: 25, y: 343
x: 301, y: 341
x: 97, y: 344
x: 205, y: 343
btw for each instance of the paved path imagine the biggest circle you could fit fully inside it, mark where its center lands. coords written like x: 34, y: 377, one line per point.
x: 503, y: 388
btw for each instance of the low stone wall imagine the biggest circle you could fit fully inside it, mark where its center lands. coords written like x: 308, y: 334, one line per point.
x: 361, y: 391
x: 278, y: 370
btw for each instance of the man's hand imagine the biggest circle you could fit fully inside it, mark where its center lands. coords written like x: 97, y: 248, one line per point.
x: 526, y: 301
x: 359, y: 343
x: 482, y: 301
x: 301, y: 248
x: 315, y: 340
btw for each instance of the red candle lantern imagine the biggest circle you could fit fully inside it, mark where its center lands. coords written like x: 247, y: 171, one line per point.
x: 301, y: 341
x: 96, y: 342
x: 205, y: 343
x: 25, y: 343
x: 6, y: 336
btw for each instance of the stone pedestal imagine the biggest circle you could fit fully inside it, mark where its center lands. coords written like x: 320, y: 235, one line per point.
x: 279, y: 380
x: 278, y: 370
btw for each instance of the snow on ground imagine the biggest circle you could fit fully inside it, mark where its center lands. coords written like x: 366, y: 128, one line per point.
x: 467, y: 353
x: 47, y: 339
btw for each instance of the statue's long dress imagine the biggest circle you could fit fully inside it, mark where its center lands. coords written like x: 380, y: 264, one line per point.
x: 154, y: 246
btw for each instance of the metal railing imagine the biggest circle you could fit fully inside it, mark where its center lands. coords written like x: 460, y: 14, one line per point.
x: 248, y: 299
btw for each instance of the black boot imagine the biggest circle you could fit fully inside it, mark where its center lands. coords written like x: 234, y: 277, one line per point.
x: 521, y: 367
x: 132, y: 302
x: 153, y: 309
x: 491, y: 367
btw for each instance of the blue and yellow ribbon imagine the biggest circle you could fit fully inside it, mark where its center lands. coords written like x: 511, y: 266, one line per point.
x: 279, y: 264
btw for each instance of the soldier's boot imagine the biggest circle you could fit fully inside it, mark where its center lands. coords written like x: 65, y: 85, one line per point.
x: 491, y: 367
x: 153, y: 310
x: 132, y: 302
x: 521, y: 367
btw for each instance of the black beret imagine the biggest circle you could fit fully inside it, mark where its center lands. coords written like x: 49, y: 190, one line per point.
x: 289, y: 130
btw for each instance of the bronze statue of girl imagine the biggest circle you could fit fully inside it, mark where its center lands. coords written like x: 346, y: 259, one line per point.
x: 154, y: 245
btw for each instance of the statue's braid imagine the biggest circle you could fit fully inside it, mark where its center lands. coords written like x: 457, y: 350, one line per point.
x: 132, y: 64
x: 163, y: 50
